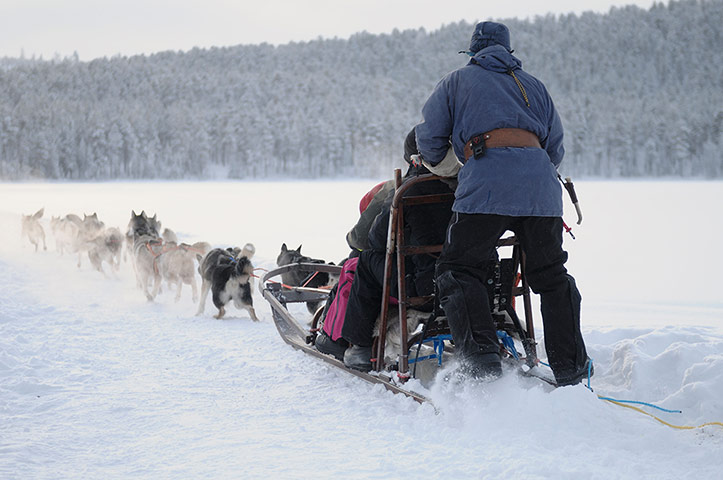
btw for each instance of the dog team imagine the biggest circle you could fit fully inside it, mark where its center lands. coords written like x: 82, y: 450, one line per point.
x: 75, y: 235
x: 155, y: 257
x: 227, y: 273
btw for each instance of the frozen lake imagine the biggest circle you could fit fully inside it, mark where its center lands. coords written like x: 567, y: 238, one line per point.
x: 97, y: 382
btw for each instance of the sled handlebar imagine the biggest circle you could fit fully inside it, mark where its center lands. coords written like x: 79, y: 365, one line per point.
x: 567, y: 183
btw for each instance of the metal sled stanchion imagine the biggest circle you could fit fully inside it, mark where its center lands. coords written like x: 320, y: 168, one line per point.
x: 397, y: 250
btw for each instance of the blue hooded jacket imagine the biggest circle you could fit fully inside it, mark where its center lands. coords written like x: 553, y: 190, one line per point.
x: 483, y: 96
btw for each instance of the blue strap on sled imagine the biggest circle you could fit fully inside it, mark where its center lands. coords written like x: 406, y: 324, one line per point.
x: 508, y: 343
x: 438, y: 345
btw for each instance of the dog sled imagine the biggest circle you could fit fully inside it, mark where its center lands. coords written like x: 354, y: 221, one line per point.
x: 419, y: 353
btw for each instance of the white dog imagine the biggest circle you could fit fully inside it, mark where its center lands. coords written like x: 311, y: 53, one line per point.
x: 88, y: 229
x: 65, y: 233
x: 106, y: 247
x: 32, y: 229
x: 177, y: 266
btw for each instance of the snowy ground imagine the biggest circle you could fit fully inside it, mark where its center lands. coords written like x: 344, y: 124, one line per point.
x: 96, y: 382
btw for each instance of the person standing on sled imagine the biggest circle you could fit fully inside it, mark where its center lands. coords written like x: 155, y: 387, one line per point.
x: 502, y: 124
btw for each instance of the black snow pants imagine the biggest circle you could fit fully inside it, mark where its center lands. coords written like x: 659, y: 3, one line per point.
x: 461, y: 270
x: 364, y: 303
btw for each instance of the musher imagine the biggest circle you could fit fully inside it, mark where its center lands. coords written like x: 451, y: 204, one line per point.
x: 502, y: 124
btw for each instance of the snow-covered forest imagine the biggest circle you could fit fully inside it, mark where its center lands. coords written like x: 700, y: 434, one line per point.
x: 638, y: 91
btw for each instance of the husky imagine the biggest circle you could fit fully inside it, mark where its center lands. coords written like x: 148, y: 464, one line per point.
x: 169, y: 236
x: 145, y: 251
x: 229, y: 277
x: 88, y: 229
x: 65, y: 232
x: 393, y: 343
x: 301, y: 277
x: 154, y: 224
x: 106, y: 247
x: 146, y: 244
x: 140, y: 224
x: 177, y: 265
x: 196, y: 249
x: 32, y: 229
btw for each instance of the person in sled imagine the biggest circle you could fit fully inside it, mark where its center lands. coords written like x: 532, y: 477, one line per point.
x: 370, y: 206
x: 503, y: 126
x: 427, y: 225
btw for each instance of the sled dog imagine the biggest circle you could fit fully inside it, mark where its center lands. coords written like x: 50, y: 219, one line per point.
x: 31, y: 228
x: 140, y: 224
x: 196, y: 249
x: 106, y: 247
x: 65, y: 232
x: 229, y: 277
x: 299, y: 277
x: 169, y: 236
x: 144, y: 238
x: 177, y: 266
x: 89, y: 228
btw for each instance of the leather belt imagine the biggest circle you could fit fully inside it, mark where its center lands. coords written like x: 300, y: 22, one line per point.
x: 500, y: 137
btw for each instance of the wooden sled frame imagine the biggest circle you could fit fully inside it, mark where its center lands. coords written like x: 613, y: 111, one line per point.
x: 397, y: 247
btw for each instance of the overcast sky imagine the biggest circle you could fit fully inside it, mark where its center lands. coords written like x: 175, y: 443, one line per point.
x: 98, y: 28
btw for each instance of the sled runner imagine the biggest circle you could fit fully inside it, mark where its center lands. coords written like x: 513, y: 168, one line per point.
x: 430, y: 344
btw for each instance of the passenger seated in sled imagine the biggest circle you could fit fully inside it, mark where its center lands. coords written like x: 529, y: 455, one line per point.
x: 370, y: 206
x: 426, y: 224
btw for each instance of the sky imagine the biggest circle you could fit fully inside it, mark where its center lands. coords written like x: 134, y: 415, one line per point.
x: 105, y: 28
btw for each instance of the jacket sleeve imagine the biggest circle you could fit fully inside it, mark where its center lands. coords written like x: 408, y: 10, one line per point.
x: 434, y: 132
x: 449, y: 166
x: 553, y: 143
x: 357, y: 238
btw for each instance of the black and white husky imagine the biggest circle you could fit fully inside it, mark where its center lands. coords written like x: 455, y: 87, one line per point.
x: 228, y: 274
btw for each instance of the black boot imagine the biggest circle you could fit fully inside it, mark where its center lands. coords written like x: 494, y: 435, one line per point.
x: 325, y: 344
x: 482, y: 366
x: 358, y: 358
x: 564, y: 379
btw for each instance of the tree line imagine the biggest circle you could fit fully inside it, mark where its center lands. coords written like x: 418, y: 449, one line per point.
x: 638, y: 92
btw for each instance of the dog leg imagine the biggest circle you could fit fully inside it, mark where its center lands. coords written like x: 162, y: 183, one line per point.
x: 221, y: 313
x: 144, y: 286
x: 205, y: 287
x: 194, y: 290
x: 178, y: 291
x: 252, y: 312
x: 156, y: 285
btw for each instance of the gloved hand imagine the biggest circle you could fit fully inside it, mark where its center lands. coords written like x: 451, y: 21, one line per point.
x: 416, y: 160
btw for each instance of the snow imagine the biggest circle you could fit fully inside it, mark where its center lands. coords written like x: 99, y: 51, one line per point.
x: 97, y: 382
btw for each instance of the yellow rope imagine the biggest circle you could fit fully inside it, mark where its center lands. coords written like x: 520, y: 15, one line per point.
x: 519, y: 85
x: 679, y: 427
